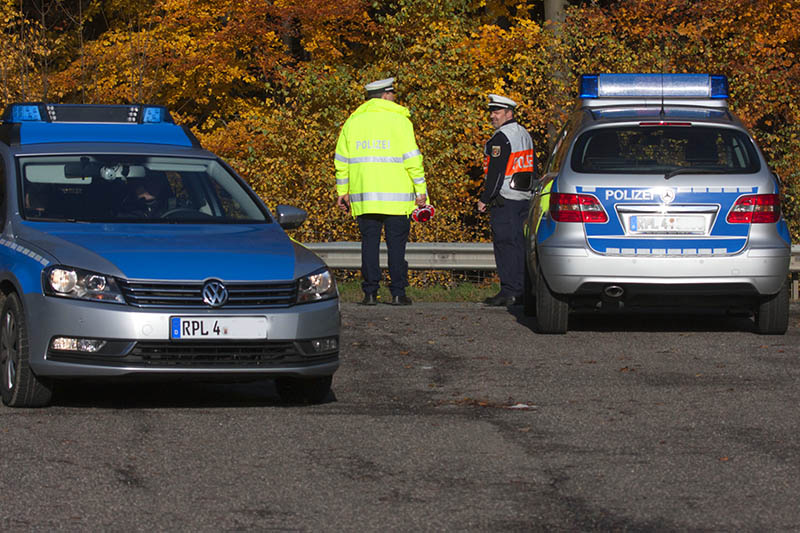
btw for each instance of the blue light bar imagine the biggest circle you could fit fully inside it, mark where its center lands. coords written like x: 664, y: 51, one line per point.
x: 696, y: 86
x: 23, y: 113
x: 39, y: 123
x: 87, y: 114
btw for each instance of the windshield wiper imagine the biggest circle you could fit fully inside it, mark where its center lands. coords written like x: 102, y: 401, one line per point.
x: 689, y: 170
x: 51, y: 219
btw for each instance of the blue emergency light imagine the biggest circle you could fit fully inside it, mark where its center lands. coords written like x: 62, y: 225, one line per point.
x: 653, y: 86
x: 87, y: 113
x: 37, y: 123
x: 23, y: 113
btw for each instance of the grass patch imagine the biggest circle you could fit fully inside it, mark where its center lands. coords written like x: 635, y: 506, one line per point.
x: 350, y: 291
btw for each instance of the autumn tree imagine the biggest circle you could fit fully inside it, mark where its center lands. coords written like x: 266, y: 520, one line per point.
x: 268, y: 85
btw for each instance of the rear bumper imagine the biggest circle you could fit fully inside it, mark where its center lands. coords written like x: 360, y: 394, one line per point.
x: 751, y: 273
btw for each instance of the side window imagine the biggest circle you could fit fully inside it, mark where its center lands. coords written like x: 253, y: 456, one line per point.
x: 560, y: 150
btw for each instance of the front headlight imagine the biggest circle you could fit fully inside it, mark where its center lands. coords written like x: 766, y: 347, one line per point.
x: 69, y: 282
x: 317, y: 286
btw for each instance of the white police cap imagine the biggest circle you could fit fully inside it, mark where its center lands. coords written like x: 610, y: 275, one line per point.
x: 380, y: 86
x: 500, y: 102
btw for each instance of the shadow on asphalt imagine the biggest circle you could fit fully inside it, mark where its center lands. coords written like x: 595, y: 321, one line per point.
x: 643, y: 320
x: 165, y: 394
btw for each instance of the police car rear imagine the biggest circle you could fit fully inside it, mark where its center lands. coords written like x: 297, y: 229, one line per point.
x: 128, y: 251
x: 656, y: 195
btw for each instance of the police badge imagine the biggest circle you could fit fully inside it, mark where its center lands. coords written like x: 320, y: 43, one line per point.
x: 495, y: 151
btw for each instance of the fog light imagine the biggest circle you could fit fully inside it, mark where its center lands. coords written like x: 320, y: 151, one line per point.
x: 71, y: 344
x: 325, y: 345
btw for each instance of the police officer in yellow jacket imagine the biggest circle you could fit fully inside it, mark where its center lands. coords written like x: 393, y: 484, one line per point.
x: 380, y: 180
x: 508, y: 152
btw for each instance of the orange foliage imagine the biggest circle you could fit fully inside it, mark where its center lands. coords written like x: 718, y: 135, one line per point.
x: 268, y: 85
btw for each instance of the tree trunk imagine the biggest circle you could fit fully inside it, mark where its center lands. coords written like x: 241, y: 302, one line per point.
x: 555, y: 12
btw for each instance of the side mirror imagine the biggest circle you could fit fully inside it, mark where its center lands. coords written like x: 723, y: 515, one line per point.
x: 523, y: 181
x: 290, y: 217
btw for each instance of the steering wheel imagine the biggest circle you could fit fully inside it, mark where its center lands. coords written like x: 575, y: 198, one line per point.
x: 183, y: 212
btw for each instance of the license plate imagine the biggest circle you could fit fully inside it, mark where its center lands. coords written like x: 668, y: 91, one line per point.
x: 667, y: 224
x: 218, y: 327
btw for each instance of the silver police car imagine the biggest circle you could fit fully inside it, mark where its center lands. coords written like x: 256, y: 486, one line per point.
x: 655, y: 194
x: 129, y: 251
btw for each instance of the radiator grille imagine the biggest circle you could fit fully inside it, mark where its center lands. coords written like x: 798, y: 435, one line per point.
x: 205, y: 354
x: 189, y: 295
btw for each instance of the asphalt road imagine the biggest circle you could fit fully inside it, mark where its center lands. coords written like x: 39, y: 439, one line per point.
x: 444, y: 417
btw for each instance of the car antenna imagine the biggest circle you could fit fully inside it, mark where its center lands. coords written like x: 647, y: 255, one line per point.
x: 661, y: 113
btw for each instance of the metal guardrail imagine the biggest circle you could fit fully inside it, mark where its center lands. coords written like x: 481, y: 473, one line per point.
x: 419, y: 255
x: 457, y: 256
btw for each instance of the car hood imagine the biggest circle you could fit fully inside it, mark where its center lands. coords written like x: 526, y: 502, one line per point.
x: 241, y: 252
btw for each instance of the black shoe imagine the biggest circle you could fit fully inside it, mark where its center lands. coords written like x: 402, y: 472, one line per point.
x: 401, y: 300
x: 370, y: 299
x: 495, y: 301
x: 491, y: 300
x: 501, y: 301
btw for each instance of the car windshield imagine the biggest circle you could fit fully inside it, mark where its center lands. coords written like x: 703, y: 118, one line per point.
x: 131, y: 188
x: 645, y: 149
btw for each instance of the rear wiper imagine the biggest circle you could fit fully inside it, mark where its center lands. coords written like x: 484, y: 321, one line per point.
x: 690, y: 170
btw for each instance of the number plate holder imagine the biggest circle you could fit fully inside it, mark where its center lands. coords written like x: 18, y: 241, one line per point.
x: 667, y: 224
x: 217, y: 327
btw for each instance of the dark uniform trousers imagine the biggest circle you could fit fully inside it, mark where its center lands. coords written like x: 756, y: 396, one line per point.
x: 508, y: 239
x: 397, y: 229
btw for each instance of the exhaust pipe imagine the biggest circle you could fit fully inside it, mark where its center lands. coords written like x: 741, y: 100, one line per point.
x: 614, y: 291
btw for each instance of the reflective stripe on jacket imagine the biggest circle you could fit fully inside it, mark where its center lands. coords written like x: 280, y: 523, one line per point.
x: 521, y: 158
x: 377, y: 160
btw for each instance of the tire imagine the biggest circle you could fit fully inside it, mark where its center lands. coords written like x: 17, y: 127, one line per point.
x: 20, y: 386
x: 772, y: 314
x: 552, y: 313
x: 528, y: 296
x: 304, y: 390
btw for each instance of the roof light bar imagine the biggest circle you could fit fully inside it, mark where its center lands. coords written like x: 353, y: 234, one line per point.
x: 86, y: 114
x: 653, y: 86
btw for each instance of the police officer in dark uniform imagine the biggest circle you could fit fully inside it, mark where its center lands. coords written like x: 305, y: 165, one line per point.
x: 508, y: 152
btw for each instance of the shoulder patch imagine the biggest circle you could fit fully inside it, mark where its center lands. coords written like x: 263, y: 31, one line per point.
x: 495, y: 151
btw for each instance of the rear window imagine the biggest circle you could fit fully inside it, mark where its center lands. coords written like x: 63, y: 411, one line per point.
x: 662, y: 149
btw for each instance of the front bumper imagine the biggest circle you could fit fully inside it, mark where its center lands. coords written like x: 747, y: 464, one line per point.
x: 139, y: 341
x: 755, y: 271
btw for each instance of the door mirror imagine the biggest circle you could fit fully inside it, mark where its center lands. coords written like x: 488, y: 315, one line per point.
x: 523, y: 181
x: 290, y: 217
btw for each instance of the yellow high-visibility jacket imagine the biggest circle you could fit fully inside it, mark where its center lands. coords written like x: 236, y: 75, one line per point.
x: 377, y: 160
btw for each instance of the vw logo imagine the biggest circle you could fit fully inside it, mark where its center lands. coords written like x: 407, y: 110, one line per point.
x: 667, y: 195
x: 214, y: 293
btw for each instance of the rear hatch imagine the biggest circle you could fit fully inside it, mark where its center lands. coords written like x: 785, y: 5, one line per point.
x: 669, y: 188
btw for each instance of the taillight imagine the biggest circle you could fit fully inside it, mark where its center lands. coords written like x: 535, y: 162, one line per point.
x: 664, y: 123
x: 576, y: 208
x: 756, y: 209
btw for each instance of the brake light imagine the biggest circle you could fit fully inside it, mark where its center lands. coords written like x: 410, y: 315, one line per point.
x: 576, y: 208
x: 756, y: 209
x: 665, y: 123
